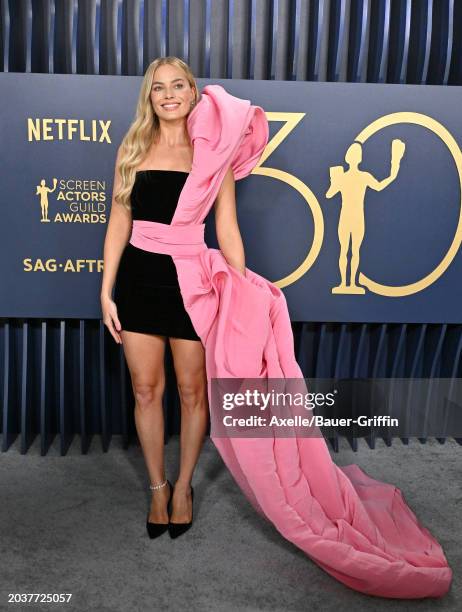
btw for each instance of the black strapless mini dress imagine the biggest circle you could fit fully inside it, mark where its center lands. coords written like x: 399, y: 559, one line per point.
x: 147, y: 291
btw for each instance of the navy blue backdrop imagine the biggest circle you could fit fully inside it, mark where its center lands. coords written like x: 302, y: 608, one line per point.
x: 59, y: 135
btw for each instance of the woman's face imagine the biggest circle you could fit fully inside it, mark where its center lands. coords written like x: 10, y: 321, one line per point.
x: 171, y: 93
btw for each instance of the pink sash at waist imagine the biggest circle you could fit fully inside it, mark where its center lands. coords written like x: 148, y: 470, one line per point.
x: 169, y: 239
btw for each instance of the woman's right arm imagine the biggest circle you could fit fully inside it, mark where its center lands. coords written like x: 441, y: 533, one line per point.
x: 117, y: 235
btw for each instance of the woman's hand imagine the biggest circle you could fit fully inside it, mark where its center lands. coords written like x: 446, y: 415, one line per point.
x: 110, y: 318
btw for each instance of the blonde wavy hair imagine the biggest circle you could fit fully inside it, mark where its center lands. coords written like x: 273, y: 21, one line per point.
x: 144, y: 128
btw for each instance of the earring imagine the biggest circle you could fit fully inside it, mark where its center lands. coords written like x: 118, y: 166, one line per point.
x: 192, y: 102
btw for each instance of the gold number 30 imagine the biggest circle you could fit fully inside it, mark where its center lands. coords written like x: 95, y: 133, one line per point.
x: 290, y: 121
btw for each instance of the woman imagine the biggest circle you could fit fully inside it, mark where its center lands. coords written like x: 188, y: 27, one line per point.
x: 152, y: 165
x: 358, y: 529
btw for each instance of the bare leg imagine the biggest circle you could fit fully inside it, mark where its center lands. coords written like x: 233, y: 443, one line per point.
x: 145, y: 359
x: 189, y: 362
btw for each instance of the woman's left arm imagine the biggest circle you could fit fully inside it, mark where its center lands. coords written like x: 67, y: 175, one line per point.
x: 227, y: 228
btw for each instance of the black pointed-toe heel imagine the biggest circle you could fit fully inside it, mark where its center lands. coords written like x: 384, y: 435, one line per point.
x: 177, y: 529
x: 157, y: 529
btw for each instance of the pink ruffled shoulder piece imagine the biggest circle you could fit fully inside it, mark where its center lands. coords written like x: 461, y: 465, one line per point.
x: 358, y: 529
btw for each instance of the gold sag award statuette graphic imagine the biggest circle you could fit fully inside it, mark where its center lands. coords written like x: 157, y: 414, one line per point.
x: 352, y: 186
x: 85, y: 200
x: 43, y: 191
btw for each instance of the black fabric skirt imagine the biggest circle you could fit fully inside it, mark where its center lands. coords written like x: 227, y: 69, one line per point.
x: 147, y: 295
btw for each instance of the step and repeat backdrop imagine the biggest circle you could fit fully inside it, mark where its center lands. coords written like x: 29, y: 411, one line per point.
x: 355, y: 210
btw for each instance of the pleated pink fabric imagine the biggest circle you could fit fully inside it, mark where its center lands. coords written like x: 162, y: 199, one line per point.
x: 358, y: 529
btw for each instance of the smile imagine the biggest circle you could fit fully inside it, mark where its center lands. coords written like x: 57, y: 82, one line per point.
x: 170, y: 107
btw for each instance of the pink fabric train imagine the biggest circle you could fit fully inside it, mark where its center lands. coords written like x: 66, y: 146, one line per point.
x: 358, y: 529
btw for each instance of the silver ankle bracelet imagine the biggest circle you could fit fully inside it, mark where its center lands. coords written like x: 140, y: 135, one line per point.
x: 158, y: 486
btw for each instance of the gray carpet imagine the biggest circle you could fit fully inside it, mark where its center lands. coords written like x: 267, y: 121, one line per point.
x: 76, y: 524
